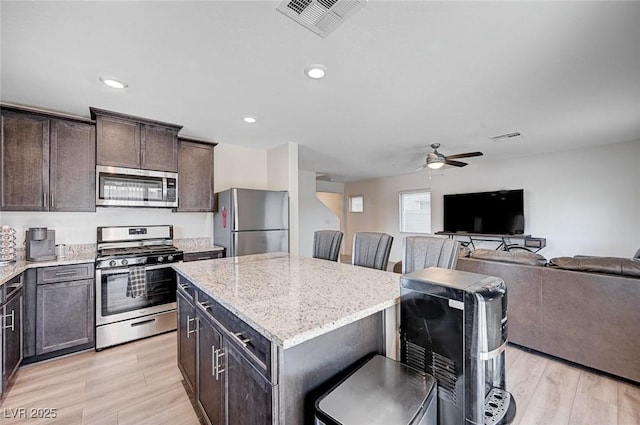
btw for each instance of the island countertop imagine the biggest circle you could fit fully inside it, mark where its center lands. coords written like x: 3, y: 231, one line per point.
x: 291, y: 299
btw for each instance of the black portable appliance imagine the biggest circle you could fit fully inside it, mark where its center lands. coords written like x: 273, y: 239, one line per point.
x: 454, y: 327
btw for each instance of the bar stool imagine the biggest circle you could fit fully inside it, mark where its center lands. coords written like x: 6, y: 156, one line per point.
x: 371, y: 249
x: 326, y: 244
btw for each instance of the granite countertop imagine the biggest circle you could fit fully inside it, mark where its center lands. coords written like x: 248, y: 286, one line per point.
x: 196, y: 245
x: 86, y: 253
x: 291, y: 299
x: 11, y: 270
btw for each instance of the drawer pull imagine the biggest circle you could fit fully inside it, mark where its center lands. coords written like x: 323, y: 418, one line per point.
x: 144, y: 322
x: 66, y: 273
x: 204, y: 305
x: 185, y: 287
x: 243, y: 341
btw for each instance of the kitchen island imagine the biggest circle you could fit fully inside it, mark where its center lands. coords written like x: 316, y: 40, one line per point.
x: 267, y: 334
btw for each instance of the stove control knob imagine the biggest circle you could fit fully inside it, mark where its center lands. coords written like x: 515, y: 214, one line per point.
x: 125, y: 262
x: 169, y: 257
x: 160, y: 259
x: 112, y: 263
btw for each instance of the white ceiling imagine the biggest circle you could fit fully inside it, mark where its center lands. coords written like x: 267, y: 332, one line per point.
x: 401, y: 75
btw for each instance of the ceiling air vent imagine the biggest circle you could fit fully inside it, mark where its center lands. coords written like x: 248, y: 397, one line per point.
x: 320, y: 16
x: 506, y: 137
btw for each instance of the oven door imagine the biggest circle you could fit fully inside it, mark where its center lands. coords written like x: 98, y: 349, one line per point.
x: 113, y: 304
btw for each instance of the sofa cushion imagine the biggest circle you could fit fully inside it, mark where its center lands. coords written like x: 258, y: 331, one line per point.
x: 519, y: 257
x: 611, y: 265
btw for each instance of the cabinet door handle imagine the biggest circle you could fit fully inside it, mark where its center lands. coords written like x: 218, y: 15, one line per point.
x: 189, y: 320
x: 214, y: 365
x: 45, y: 197
x: 243, y: 341
x: 217, y: 354
x: 13, y: 321
x: 52, y: 202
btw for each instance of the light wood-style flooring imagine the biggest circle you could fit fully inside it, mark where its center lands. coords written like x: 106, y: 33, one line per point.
x: 139, y: 383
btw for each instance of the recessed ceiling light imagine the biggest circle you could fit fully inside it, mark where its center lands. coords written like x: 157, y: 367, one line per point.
x: 316, y: 71
x: 113, y: 83
x: 249, y: 119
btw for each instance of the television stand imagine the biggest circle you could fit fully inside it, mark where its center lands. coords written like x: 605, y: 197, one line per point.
x: 505, y: 241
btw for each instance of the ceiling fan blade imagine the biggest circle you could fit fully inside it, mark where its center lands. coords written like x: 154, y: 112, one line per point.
x: 455, y: 163
x: 465, y: 155
x: 422, y: 167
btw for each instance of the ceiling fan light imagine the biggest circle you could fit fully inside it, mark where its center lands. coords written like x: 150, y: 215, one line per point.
x: 435, y: 160
x: 435, y: 164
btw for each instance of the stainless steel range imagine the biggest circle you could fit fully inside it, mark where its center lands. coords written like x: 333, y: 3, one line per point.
x: 135, y: 284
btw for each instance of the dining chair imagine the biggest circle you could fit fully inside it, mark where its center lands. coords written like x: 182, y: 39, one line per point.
x: 326, y: 244
x: 371, y: 249
x: 421, y: 252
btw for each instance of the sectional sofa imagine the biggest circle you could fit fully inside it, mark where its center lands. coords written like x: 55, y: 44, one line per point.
x: 582, y: 309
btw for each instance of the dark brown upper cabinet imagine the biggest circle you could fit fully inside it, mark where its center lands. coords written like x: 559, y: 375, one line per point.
x: 47, y: 161
x: 72, y: 166
x: 134, y: 142
x: 195, y: 174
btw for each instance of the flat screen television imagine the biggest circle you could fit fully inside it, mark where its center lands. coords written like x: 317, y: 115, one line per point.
x: 500, y: 212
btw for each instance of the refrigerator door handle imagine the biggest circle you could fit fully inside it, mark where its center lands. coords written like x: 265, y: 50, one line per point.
x: 234, y: 210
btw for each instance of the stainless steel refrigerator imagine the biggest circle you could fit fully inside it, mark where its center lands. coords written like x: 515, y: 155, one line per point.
x: 250, y: 221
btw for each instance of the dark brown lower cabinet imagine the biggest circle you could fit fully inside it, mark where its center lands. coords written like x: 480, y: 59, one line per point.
x: 249, y: 393
x: 187, y: 339
x: 230, y: 387
x: 211, y: 388
x: 10, y: 337
x: 64, y: 316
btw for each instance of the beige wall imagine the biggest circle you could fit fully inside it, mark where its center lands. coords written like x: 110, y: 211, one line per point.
x: 314, y: 215
x: 584, y: 202
x: 237, y: 166
x: 333, y: 201
x: 282, y: 174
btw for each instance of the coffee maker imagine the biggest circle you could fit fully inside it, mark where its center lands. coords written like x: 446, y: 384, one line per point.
x: 453, y: 326
x: 41, y: 244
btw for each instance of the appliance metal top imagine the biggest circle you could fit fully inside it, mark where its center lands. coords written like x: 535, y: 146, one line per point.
x: 455, y: 279
x: 134, y: 233
x: 382, y: 391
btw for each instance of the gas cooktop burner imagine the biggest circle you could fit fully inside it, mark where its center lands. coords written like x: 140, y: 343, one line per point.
x: 122, y: 246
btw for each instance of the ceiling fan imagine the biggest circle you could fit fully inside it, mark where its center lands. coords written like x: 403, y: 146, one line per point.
x: 436, y: 160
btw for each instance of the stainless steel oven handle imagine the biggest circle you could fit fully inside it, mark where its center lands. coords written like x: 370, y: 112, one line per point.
x: 124, y: 270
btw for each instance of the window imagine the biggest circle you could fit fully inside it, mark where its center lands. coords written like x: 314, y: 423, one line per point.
x: 415, y: 211
x: 356, y: 203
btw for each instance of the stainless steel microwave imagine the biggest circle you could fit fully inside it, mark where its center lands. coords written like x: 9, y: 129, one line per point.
x: 132, y: 187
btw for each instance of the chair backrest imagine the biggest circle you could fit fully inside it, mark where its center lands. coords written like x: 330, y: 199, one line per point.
x: 371, y: 250
x: 421, y: 252
x: 326, y: 244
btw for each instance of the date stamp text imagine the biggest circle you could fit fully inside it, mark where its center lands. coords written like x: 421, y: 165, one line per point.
x: 30, y: 413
